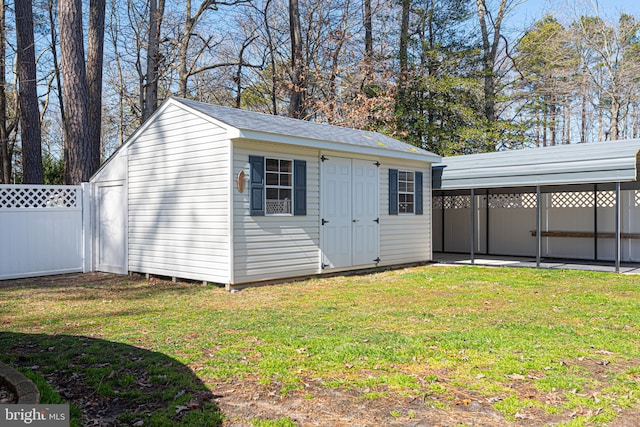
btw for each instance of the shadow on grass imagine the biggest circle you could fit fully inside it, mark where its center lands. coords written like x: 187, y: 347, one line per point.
x: 91, y: 286
x: 114, y: 384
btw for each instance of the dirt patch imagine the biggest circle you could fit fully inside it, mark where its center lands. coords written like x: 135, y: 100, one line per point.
x: 321, y: 406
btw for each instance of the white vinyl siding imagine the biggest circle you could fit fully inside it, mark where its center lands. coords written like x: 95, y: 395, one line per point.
x: 274, y: 247
x: 178, y: 194
x: 405, y: 238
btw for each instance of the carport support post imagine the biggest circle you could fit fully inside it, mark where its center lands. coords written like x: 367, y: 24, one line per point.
x: 538, y: 227
x: 618, y: 210
x: 473, y: 225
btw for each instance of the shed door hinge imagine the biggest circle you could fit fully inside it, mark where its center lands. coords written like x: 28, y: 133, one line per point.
x: 323, y: 158
x: 325, y: 266
x: 377, y: 260
x: 377, y: 164
x: 324, y: 221
x: 377, y: 220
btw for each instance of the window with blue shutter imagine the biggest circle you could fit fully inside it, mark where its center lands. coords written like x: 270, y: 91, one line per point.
x: 406, y: 192
x: 277, y: 186
x: 393, y: 191
x: 300, y: 187
x: 419, y: 194
x: 256, y: 185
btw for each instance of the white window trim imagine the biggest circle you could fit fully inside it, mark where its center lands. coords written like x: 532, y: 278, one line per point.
x: 266, y: 186
x: 413, y: 193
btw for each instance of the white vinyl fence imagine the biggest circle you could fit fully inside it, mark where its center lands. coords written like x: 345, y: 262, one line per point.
x: 41, y: 230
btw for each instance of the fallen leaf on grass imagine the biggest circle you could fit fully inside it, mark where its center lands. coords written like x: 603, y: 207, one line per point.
x: 517, y: 377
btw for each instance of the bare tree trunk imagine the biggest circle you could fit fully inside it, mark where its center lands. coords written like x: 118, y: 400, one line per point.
x: 5, y: 161
x: 30, y: 131
x: 56, y: 70
x: 490, y: 43
x: 538, y: 121
x: 156, y: 12
x: 583, y: 111
x: 368, y: 41
x: 238, y: 76
x: 272, y: 58
x: 403, y: 50
x: 298, y: 81
x: 545, y: 121
x: 567, y: 121
x: 76, y: 127
x: 601, y: 136
x: 95, y: 49
x: 190, y: 22
x: 615, y: 119
x: 553, y: 128
x: 114, y: 31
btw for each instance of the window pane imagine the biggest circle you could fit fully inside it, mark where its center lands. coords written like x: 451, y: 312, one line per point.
x: 272, y: 178
x: 285, y: 194
x: 279, y: 183
x: 272, y: 193
x: 285, y: 180
x: 272, y: 165
x: 405, y: 191
x: 285, y: 165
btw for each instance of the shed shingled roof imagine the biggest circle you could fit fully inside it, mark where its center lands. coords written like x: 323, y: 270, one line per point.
x: 591, y: 163
x: 279, y: 125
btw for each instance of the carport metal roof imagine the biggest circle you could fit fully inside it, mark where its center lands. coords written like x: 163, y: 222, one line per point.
x: 592, y: 163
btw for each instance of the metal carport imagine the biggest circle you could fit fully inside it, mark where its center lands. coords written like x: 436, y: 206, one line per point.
x: 575, y: 184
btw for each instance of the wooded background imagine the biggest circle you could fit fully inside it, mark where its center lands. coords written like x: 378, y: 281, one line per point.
x: 450, y: 76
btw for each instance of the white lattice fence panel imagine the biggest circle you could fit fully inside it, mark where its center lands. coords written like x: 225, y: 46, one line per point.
x: 512, y: 201
x: 457, y: 202
x: 574, y: 199
x: 39, y: 197
x: 437, y: 202
x: 607, y: 199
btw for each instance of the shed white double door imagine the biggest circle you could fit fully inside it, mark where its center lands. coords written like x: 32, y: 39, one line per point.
x: 350, y: 217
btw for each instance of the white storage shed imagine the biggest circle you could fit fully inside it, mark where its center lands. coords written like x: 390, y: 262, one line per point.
x: 224, y: 195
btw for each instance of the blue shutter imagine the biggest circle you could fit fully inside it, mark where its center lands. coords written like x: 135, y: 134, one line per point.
x: 256, y: 185
x: 393, y: 191
x: 418, y: 195
x: 299, y: 187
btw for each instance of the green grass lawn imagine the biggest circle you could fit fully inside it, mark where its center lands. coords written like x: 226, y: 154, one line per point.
x: 563, y: 344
